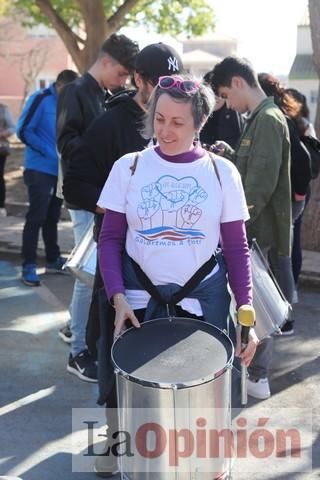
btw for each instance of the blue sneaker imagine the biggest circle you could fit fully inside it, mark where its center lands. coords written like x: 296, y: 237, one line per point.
x: 56, y: 266
x: 29, y: 275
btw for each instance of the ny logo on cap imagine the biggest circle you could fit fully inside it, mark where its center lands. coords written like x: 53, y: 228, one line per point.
x: 173, y: 64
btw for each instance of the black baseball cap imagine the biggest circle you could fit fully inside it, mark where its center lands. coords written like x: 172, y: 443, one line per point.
x: 156, y: 60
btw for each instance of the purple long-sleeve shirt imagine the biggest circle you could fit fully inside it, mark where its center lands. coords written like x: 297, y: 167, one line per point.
x: 232, y: 235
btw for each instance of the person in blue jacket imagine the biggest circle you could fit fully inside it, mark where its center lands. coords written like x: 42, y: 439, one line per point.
x: 36, y: 128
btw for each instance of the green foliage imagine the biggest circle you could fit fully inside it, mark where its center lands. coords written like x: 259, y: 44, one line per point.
x: 68, y: 10
x: 4, y: 6
x: 192, y: 17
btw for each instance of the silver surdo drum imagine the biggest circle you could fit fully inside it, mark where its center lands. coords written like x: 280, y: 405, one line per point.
x: 272, y: 309
x: 83, y: 258
x: 173, y: 375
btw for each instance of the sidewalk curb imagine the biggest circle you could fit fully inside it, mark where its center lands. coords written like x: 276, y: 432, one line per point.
x: 15, y: 253
x: 307, y: 278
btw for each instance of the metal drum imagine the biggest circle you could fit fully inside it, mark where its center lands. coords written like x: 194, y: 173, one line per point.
x: 83, y: 258
x: 272, y: 309
x: 174, y: 369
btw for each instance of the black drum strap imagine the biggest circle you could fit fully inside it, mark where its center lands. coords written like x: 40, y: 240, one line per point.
x: 194, y: 281
x: 146, y: 282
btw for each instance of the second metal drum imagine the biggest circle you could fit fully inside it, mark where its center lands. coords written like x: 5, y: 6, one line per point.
x: 272, y: 309
x: 83, y: 258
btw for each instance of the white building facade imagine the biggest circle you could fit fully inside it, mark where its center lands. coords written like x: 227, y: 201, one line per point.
x: 303, y: 75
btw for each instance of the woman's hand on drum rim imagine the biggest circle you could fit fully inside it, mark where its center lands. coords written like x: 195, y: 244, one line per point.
x: 247, y: 354
x: 123, y: 312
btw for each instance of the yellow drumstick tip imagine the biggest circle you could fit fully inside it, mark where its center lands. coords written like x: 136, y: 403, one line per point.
x: 246, y: 316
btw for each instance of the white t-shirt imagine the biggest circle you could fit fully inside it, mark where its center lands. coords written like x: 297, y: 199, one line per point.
x: 174, y: 211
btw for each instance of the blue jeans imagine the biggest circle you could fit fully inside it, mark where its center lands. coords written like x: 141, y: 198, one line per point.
x: 43, y: 213
x: 81, y: 297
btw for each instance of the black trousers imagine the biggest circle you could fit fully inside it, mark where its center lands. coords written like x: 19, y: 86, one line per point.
x: 3, y: 159
x: 43, y: 213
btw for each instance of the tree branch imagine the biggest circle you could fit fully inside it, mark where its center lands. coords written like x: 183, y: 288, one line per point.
x: 61, y: 27
x: 117, y: 18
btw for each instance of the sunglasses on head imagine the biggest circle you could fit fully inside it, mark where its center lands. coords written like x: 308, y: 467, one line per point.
x: 186, y: 86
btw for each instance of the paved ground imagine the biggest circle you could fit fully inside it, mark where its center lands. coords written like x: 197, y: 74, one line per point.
x: 37, y: 394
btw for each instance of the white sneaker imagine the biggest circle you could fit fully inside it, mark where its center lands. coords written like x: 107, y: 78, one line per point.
x: 259, y: 389
x: 3, y: 212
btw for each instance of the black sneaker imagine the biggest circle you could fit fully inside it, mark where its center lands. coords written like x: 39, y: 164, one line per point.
x: 65, y: 334
x: 83, y: 366
x: 287, y: 328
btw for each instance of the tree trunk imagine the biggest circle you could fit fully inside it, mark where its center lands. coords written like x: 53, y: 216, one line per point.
x: 314, y: 11
x: 311, y: 218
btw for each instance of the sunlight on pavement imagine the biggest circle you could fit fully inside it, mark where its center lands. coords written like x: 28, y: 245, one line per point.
x: 50, y: 449
x: 39, y: 323
x: 11, y: 292
x: 26, y: 400
x: 4, y: 460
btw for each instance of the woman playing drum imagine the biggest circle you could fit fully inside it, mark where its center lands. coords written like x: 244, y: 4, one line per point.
x: 169, y: 214
x: 167, y: 208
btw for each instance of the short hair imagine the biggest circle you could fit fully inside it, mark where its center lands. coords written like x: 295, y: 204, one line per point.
x: 121, y: 49
x: 66, y: 76
x: 223, y: 73
x: 202, y: 104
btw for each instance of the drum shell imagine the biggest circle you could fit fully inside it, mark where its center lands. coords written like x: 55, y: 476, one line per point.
x: 172, y: 406
x: 83, y: 258
x: 271, y: 307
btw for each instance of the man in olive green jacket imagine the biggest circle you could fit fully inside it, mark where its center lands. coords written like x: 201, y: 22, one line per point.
x: 263, y: 158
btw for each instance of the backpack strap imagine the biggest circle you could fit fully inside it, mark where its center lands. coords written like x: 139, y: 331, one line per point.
x: 135, y: 162
x: 215, y: 168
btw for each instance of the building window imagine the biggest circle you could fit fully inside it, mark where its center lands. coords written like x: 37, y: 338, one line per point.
x: 313, y: 96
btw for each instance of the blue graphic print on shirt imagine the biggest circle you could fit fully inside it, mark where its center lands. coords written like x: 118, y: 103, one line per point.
x: 175, y: 201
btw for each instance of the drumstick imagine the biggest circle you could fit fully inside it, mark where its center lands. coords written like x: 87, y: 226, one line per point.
x: 246, y: 318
